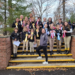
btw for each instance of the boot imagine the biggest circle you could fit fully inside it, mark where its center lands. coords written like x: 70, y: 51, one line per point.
x: 26, y: 53
x: 58, y: 51
x: 66, y: 51
x: 22, y: 52
x: 15, y: 55
x: 51, y: 52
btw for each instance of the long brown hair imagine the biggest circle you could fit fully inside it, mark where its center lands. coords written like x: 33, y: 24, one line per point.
x: 65, y: 26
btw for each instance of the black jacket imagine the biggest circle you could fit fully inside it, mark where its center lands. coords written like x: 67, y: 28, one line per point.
x: 31, y: 24
x: 15, y: 36
x: 48, y: 23
x: 19, y: 26
x: 24, y: 35
x: 58, y: 31
x: 67, y: 29
x: 39, y: 33
x: 31, y: 40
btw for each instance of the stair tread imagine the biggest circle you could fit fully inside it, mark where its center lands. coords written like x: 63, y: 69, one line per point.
x: 41, y: 60
x: 35, y: 55
x: 40, y: 65
x: 54, y: 58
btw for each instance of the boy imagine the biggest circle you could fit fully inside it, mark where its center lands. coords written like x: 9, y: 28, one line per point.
x: 58, y: 36
x: 15, y: 37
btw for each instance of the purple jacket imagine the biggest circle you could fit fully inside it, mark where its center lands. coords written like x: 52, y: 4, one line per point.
x: 43, y: 40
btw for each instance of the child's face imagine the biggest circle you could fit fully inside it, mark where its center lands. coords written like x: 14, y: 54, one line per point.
x: 16, y: 30
x: 58, y: 27
x: 45, y: 25
x: 51, y: 26
x: 66, y: 23
x: 37, y: 27
x: 25, y: 29
x: 31, y: 30
x: 43, y: 30
x: 17, y: 20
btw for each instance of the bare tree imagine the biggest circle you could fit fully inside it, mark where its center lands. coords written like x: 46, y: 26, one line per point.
x: 39, y: 9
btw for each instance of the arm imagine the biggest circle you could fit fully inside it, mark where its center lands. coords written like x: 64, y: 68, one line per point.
x: 70, y: 31
x: 45, y: 39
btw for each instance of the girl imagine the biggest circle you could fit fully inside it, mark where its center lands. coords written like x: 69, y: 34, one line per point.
x: 32, y: 40
x: 32, y: 23
x: 43, y: 45
x: 37, y: 34
x: 25, y: 39
x: 58, y: 36
x: 15, y: 37
x: 51, y: 33
x: 25, y: 22
x: 46, y: 29
x: 44, y: 22
x: 67, y: 36
x: 49, y: 22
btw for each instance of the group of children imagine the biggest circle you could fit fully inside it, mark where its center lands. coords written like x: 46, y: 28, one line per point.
x: 30, y: 33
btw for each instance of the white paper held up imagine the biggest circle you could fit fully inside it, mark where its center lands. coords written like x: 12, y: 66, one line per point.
x: 17, y: 43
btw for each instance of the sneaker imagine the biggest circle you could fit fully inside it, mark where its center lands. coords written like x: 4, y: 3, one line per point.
x: 39, y: 57
x: 45, y: 62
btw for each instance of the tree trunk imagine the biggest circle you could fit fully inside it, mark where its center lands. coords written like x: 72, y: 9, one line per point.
x: 10, y: 12
x: 5, y: 33
x: 63, y: 10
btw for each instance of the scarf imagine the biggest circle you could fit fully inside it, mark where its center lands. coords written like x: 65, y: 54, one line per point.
x: 37, y: 33
x: 26, y: 38
x: 31, y: 35
x: 16, y: 25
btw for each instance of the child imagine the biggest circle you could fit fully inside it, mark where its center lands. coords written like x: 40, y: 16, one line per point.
x: 58, y: 36
x: 51, y: 33
x: 37, y: 34
x: 25, y: 39
x: 44, y: 22
x: 15, y: 37
x: 43, y: 45
x: 67, y: 36
x: 46, y: 29
x: 32, y: 40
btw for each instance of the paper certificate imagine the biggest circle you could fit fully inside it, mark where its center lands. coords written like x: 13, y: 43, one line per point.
x: 17, y: 43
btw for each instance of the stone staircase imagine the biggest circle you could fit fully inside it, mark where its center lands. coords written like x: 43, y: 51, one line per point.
x: 24, y: 61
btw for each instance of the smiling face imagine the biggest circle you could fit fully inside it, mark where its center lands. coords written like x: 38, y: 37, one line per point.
x: 66, y: 23
x: 51, y: 26
x: 26, y: 19
x: 43, y: 31
x: 17, y: 19
x: 45, y: 25
x: 21, y: 16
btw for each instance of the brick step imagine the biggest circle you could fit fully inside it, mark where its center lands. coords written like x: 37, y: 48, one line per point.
x: 41, y: 50
x: 36, y: 55
x: 35, y: 60
x: 47, y: 46
x: 40, y: 65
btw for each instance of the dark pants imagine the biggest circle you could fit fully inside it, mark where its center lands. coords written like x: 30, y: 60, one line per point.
x: 44, y: 50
